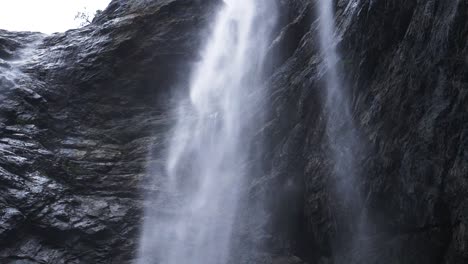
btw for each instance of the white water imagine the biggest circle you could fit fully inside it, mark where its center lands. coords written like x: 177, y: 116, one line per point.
x: 210, y: 145
x: 343, y: 139
x: 340, y: 127
x: 11, y: 69
x: 328, y: 47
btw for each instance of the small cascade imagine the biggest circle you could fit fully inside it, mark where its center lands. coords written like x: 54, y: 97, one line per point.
x: 11, y: 65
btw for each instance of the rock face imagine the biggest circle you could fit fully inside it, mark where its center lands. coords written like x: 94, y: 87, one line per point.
x: 405, y: 66
x: 77, y: 116
x: 81, y: 110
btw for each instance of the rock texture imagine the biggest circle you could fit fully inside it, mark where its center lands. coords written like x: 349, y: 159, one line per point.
x: 77, y: 115
x: 81, y: 111
x: 405, y: 66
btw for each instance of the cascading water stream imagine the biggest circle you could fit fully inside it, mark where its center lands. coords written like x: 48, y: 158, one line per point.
x: 207, y: 156
x: 343, y: 139
x: 340, y: 128
x: 27, y: 54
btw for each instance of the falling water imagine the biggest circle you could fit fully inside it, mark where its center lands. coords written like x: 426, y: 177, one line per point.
x: 340, y: 128
x: 343, y: 139
x: 209, y: 149
x: 11, y: 69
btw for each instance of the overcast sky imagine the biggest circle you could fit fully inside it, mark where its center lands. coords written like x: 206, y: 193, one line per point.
x: 46, y: 16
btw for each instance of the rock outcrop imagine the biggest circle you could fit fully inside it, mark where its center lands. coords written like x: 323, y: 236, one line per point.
x: 80, y: 112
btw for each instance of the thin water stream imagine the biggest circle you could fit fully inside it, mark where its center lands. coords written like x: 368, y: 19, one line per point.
x: 344, y: 142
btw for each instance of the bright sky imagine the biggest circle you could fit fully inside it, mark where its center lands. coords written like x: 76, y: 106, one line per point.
x: 46, y: 16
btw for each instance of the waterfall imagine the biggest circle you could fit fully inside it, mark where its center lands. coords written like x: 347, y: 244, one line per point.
x: 341, y: 131
x: 343, y: 139
x: 206, y: 165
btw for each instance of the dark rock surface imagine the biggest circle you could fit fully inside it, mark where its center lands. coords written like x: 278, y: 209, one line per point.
x: 77, y: 115
x: 81, y: 110
x: 405, y: 63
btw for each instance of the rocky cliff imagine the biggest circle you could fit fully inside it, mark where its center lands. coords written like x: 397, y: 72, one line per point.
x: 81, y: 111
x: 404, y: 64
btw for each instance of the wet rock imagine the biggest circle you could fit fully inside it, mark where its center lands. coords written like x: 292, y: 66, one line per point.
x: 77, y: 115
x: 81, y: 112
x: 403, y: 65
